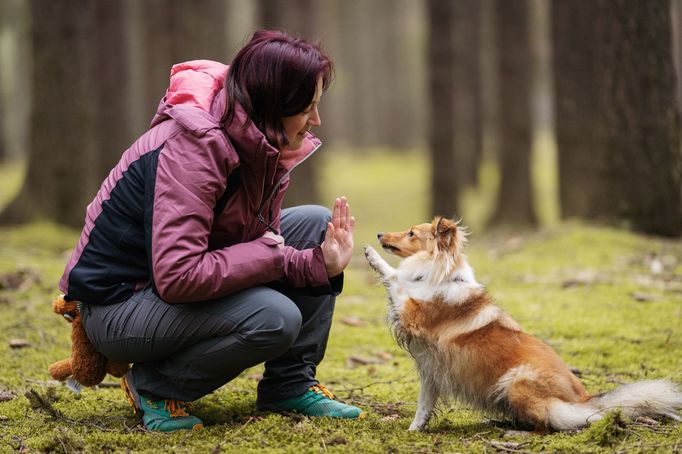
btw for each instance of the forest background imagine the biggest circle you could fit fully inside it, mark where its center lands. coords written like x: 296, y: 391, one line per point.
x: 552, y: 127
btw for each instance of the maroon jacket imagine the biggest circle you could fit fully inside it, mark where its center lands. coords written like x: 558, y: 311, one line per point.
x: 159, y: 218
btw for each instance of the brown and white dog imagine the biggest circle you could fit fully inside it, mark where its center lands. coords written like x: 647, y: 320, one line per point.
x: 468, y: 348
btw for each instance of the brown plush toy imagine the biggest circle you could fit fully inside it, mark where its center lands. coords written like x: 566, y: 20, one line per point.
x: 86, y: 365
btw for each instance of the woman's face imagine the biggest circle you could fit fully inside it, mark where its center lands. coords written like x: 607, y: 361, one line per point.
x: 297, y: 125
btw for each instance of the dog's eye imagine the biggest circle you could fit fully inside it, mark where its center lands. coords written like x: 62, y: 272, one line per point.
x: 410, y: 233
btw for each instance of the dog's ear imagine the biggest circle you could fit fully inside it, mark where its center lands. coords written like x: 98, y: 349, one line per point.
x: 445, y: 231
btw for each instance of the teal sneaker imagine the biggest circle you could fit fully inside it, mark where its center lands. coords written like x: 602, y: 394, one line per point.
x: 165, y: 415
x: 316, y: 401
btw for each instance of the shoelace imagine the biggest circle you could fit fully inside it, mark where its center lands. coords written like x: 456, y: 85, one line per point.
x: 176, y: 408
x: 320, y: 389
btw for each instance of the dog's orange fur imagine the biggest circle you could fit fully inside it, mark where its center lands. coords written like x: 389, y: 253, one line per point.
x: 466, y: 346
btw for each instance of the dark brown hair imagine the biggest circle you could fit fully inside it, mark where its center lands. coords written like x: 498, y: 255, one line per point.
x: 274, y: 76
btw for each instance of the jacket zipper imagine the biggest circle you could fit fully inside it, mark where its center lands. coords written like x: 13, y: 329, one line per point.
x: 275, y: 189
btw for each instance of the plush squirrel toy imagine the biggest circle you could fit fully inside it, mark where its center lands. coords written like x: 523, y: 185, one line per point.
x: 86, y: 365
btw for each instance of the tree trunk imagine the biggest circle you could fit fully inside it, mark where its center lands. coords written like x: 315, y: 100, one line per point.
x: 111, y: 84
x: 515, y: 201
x: 441, y: 142
x: 299, y: 17
x: 641, y: 130
x: 582, y: 159
x: 467, y: 119
x: 59, y: 181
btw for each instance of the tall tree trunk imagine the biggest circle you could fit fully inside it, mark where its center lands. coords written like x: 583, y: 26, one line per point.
x: 515, y: 201
x: 467, y: 119
x: 441, y: 142
x: 582, y: 159
x: 111, y: 84
x: 641, y: 130
x: 299, y: 17
x: 59, y: 181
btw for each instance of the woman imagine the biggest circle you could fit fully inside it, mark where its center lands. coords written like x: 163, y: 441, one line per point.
x: 187, y: 266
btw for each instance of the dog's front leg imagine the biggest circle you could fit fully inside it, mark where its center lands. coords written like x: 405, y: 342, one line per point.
x: 378, y: 264
x: 428, y: 394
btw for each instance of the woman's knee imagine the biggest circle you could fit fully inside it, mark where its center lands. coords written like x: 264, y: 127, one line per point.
x: 277, y: 325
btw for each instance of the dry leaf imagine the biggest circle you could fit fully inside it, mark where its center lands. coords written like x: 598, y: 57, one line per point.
x: 391, y: 417
x: 353, y: 321
x: 19, y: 343
x: 383, y: 355
x: 644, y: 297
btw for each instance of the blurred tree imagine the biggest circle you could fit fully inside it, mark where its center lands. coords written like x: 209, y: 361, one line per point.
x: 441, y: 76
x: 467, y: 118
x: 299, y: 17
x: 515, y: 201
x: 109, y: 77
x: 175, y: 31
x: 3, y: 153
x: 640, y: 127
x: 60, y: 180
x: 618, y: 128
x: 581, y: 156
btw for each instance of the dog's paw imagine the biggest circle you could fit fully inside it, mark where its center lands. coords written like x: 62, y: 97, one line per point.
x: 371, y: 255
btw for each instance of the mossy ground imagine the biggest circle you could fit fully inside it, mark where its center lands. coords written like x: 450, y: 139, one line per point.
x: 588, y: 291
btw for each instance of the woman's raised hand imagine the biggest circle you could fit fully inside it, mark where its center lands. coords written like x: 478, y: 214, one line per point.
x: 337, y: 247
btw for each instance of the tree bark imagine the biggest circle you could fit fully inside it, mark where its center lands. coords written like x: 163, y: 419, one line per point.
x: 640, y: 128
x: 441, y: 141
x: 111, y: 84
x: 59, y: 182
x: 467, y: 119
x: 515, y: 201
x: 582, y: 160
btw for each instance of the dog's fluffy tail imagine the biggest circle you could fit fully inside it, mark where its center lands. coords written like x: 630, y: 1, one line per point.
x: 654, y: 398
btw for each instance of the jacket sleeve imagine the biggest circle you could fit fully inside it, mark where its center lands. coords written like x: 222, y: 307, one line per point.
x: 191, y: 175
x: 306, y: 268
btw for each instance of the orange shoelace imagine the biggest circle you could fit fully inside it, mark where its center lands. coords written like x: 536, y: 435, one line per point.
x: 319, y: 389
x: 176, y: 408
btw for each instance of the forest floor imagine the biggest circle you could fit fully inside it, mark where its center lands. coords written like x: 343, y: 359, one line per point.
x: 610, y: 303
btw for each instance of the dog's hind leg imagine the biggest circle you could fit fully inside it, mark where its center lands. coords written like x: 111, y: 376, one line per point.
x: 428, y: 393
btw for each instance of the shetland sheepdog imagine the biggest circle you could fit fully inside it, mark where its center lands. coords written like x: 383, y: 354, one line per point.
x: 466, y: 347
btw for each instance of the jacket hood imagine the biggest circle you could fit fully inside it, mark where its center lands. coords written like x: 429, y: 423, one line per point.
x: 196, y: 98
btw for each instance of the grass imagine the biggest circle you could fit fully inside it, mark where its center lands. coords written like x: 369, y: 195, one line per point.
x: 588, y: 291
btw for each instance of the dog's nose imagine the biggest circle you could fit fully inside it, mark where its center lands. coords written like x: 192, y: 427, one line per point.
x: 380, y: 235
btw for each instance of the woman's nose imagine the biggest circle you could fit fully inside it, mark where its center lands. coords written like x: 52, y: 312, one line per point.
x: 315, y: 119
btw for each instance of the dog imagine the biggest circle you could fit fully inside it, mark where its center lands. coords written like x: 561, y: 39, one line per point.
x: 467, y: 348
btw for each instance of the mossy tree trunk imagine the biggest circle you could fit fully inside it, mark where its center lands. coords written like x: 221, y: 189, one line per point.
x: 441, y: 106
x: 515, y: 199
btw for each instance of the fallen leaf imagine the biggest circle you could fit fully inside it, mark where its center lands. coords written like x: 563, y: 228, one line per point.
x: 336, y: 441
x: 354, y: 361
x: 19, y: 343
x: 386, y: 356
x: 644, y: 297
x: 19, y: 279
x: 6, y: 395
x: 391, y: 417
x: 353, y: 321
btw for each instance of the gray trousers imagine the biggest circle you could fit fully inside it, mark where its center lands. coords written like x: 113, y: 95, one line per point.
x: 185, y: 351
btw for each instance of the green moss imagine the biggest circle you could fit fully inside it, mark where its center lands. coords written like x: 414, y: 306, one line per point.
x: 572, y: 286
